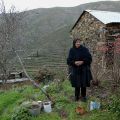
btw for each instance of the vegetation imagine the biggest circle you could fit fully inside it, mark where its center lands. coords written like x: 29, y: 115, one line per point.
x: 21, y: 113
x: 45, y: 43
x: 45, y: 75
x: 64, y: 107
x: 114, y: 106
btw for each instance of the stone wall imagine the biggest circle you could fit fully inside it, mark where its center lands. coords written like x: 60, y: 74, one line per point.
x: 90, y: 30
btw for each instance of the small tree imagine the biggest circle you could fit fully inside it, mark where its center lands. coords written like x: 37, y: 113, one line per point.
x: 98, y: 66
x: 45, y: 75
x: 116, y: 63
x: 9, y: 24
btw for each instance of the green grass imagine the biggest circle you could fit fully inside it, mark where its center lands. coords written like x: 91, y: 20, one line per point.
x: 7, y: 99
x: 64, y: 108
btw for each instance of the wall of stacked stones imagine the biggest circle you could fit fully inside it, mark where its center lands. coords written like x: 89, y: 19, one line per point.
x: 112, y: 28
x: 89, y: 30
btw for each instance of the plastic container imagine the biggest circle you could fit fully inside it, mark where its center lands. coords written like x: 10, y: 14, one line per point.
x: 97, y: 105
x: 91, y: 105
x: 94, y: 105
x: 47, y: 106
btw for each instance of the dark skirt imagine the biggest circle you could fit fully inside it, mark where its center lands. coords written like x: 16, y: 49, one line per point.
x: 82, y: 79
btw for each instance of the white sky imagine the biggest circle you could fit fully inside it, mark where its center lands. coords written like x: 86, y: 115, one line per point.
x: 32, y: 4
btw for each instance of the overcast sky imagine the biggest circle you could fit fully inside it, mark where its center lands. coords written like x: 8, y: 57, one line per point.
x: 32, y: 4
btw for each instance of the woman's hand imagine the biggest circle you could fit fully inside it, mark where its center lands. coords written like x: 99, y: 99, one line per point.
x: 78, y: 63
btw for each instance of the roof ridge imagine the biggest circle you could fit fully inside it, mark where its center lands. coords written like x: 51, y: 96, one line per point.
x: 90, y: 10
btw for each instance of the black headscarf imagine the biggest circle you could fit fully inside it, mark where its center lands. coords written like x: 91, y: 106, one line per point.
x: 74, y: 42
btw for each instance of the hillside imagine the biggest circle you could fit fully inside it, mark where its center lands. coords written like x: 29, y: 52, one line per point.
x: 41, y: 22
x: 44, y: 42
x: 46, y: 30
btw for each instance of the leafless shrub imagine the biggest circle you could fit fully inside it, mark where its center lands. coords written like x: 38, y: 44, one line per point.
x: 9, y: 23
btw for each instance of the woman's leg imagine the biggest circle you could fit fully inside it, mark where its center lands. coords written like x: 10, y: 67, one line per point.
x: 83, y: 93
x: 77, y: 93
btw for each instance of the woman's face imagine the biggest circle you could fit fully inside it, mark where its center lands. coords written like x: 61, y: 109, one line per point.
x: 77, y: 44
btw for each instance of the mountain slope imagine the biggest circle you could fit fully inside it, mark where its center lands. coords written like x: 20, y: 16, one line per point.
x: 46, y: 30
x: 41, y: 22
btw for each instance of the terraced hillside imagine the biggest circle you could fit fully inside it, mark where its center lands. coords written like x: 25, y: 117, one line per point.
x: 46, y: 33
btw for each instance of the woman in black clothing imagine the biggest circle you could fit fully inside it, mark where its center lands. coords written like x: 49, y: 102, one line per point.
x: 79, y: 60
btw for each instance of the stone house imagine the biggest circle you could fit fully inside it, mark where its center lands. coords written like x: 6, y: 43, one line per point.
x: 96, y: 28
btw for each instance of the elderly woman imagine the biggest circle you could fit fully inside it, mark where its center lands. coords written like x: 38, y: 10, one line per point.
x: 79, y: 60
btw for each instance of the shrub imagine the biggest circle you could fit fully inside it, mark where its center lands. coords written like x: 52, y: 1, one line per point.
x: 21, y: 113
x: 114, y: 106
x: 45, y: 75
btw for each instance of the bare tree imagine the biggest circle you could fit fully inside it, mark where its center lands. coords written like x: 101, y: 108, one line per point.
x: 9, y: 24
x: 99, y: 70
x: 116, y: 64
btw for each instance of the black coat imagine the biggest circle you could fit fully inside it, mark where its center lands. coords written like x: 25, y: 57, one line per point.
x: 80, y: 76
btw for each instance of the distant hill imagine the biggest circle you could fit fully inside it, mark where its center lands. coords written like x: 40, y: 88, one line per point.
x: 46, y: 30
x: 43, y: 22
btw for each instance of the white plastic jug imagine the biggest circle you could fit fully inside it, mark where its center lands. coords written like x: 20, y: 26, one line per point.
x: 47, y: 106
x: 91, y: 105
